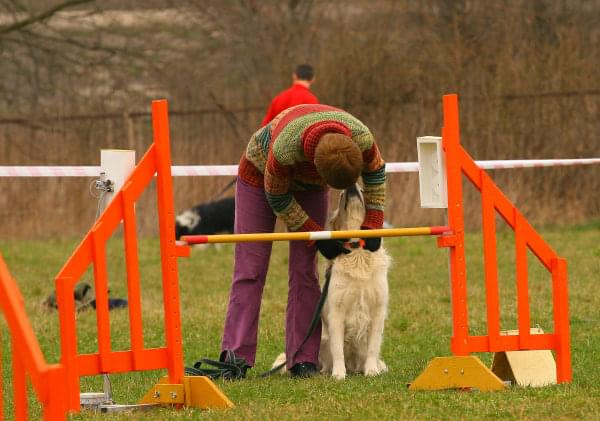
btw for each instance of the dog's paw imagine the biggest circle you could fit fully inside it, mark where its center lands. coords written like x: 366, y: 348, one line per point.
x: 374, y: 368
x: 338, y: 372
x: 372, y: 371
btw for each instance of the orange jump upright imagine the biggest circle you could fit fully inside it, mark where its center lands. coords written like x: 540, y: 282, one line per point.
x: 458, y: 162
x: 92, y: 251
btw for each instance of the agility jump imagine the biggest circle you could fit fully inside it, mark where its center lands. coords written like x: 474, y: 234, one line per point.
x: 463, y: 370
x: 450, y: 372
x: 179, y: 390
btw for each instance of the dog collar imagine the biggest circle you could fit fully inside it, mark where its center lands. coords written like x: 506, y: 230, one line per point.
x: 355, y: 244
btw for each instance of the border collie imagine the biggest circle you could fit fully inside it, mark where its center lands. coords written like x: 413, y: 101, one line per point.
x: 206, y: 218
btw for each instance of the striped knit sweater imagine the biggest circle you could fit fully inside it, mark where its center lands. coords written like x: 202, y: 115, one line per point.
x: 280, y: 158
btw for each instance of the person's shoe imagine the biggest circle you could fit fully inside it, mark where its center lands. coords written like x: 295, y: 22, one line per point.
x: 303, y: 370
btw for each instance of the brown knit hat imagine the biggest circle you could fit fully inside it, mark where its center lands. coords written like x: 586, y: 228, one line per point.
x: 338, y: 160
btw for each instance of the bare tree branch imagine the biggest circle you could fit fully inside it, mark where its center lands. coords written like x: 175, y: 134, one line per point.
x: 41, y: 16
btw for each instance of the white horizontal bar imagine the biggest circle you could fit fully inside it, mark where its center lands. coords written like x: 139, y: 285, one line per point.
x: 231, y: 170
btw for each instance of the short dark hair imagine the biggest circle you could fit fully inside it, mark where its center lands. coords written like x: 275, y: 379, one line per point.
x: 304, y: 72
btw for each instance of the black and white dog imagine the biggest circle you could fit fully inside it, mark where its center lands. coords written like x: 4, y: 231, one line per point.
x: 206, y: 218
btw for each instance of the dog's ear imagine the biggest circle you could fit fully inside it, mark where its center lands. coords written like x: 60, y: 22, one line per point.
x: 335, y: 216
x: 333, y: 220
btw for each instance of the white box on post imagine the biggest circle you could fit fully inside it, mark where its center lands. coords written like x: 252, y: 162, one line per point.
x: 432, y: 172
x: 116, y: 165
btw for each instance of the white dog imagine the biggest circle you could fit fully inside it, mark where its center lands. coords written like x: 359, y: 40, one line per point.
x: 356, y: 306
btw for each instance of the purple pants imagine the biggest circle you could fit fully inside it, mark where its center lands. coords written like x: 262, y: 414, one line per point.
x: 253, y: 214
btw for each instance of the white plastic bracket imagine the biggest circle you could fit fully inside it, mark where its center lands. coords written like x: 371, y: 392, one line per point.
x: 117, y: 164
x: 432, y: 172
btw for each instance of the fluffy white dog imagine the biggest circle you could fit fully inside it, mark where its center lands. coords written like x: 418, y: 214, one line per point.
x: 356, y: 306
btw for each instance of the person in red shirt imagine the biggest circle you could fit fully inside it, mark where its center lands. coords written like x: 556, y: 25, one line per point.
x: 298, y: 93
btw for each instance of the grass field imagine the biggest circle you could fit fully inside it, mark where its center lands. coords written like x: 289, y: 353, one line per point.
x: 418, y: 328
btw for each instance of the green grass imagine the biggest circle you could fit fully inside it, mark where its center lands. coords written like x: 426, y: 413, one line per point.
x: 417, y: 329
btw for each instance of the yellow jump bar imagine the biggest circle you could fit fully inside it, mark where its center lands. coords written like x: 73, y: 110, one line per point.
x: 313, y: 235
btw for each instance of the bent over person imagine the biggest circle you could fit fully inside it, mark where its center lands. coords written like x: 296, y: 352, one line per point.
x: 285, y: 172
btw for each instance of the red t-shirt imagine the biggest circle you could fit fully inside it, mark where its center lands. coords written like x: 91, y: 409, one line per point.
x: 295, y: 95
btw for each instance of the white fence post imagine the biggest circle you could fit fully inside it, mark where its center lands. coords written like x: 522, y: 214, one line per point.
x: 432, y: 172
x: 116, y: 164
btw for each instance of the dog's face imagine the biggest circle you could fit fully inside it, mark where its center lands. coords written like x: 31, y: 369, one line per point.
x: 185, y: 222
x: 350, y: 213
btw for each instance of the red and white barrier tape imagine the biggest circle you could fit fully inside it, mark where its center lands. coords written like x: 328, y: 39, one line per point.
x: 220, y: 170
x: 49, y: 171
x: 529, y: 163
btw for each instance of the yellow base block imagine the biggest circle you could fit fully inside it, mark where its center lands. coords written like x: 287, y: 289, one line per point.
x: 195, y: 392
x: 534, y: 368
x: 466, y: 372
x: 525, y: 368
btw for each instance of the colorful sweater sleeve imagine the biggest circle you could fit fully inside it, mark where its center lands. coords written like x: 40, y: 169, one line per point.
x: 373, y: 176
x: 277, y: 189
